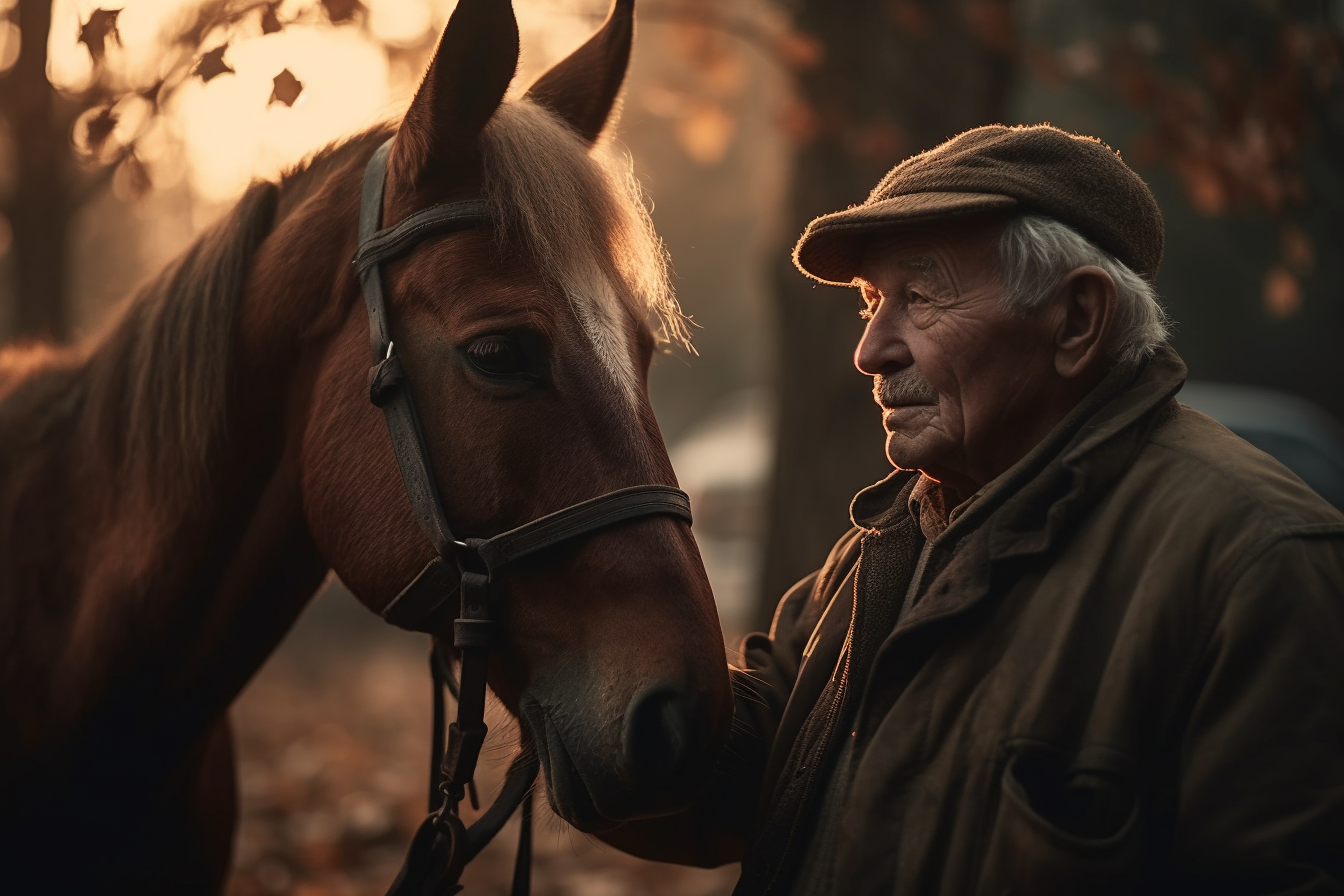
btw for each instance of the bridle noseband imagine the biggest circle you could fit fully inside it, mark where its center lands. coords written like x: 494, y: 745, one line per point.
x: 463, y: 567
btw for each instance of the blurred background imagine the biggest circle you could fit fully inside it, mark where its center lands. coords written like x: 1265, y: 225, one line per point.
x: 126, y: 127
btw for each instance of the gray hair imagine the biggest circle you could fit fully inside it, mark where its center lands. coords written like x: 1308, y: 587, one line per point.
x: 1036, y: 253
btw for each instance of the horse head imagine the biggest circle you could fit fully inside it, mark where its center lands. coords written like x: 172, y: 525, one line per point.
x: 526, y: 345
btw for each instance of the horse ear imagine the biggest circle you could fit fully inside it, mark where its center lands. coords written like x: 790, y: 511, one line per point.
x: 466, y: 81
x: 582, y: 88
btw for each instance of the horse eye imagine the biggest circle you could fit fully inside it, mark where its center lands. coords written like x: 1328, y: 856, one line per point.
x: 497, y: 356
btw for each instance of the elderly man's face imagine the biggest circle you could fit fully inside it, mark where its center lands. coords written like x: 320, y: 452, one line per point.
x: 966, y: 388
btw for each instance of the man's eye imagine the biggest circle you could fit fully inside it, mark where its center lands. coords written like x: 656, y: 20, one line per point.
x: 918, y: 299
x: 868, y: 299
x: 497, y: 356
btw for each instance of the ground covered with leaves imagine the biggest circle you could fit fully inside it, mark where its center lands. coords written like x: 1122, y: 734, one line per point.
x: 333, y: 757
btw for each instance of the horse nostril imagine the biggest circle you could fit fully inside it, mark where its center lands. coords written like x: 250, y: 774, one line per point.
x: 657, y: 730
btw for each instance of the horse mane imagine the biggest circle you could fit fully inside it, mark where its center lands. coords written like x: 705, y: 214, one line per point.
x: 581, y: 213
x: 158, y: 380
x: 577, y: 209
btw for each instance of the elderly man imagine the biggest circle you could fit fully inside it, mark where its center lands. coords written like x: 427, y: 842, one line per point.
x: 1083, y: 639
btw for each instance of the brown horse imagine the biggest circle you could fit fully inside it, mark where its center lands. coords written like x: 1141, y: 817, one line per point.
x: 173, y: 492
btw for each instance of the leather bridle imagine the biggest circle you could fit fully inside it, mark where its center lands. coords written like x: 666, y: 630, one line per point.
x: 464, y: 567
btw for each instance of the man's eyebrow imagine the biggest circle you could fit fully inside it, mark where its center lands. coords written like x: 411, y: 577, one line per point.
x: 916, y: 263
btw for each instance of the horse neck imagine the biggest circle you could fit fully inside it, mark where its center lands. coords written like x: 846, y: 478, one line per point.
x: 135, y: 595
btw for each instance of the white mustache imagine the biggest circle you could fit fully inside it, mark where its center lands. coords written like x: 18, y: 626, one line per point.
x: 905, y: 388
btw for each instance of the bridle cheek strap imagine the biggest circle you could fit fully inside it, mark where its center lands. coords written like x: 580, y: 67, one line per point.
x: 387, y: 377
x: 461, y: 567
x: 421, y: 606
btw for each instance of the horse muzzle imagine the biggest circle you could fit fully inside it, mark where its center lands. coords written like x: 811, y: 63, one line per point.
x: 646, y: 765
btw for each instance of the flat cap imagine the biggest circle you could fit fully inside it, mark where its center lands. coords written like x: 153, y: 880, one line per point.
x: 1040, y: 169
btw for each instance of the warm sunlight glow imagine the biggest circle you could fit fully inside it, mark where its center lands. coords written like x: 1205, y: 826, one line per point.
x: 231, y: 130
x: 139, y: 24
x: 68, y: 63
x: 9, y: 45
x: 551, y: 29
x: 401, y: 23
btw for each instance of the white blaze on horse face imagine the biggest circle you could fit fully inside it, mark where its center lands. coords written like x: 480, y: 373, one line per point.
x: 602, y: 315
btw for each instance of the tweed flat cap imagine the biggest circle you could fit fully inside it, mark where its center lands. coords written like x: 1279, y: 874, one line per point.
x: 1079, y: 181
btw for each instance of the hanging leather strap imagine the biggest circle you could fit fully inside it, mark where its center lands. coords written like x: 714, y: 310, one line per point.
x: 522, y: 859
x: 442, y: 845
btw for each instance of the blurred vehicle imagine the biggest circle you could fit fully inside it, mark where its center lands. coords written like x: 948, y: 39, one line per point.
x: 1299, y: 434
x: 723, y: 463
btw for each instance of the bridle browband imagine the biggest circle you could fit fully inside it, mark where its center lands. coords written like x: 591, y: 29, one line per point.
x: 462, y: 567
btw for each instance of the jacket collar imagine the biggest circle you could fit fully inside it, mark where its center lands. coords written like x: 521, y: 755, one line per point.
x: 1082, y: 457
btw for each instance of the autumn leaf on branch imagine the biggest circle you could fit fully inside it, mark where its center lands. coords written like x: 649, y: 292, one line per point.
x: 94, y: 33
x: 134, y: 176
x: 342, y: 10
x: 1235, y: 128
x: 1232, y: 129
x: 98, y: 128
x: 286, y: 88
x: 270, y: 22
x: 212, y: 64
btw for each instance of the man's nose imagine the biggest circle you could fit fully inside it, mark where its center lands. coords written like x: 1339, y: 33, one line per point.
x: 882, y: 347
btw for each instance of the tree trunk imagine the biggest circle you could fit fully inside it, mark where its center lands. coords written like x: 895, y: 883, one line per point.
x: 896, y: 78
x: 39, y: 207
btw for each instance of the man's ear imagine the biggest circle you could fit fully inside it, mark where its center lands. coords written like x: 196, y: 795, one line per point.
x: 1086, y: 305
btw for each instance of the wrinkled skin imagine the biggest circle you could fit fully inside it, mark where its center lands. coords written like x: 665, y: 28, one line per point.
x: 966, y: 386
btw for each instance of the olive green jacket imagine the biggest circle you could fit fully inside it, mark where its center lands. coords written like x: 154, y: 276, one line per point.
x: 1119, y: 670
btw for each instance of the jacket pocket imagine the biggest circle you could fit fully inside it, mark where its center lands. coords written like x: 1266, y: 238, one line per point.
x: 1066, y: 823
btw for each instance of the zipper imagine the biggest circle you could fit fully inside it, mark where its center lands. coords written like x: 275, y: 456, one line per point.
x: 824, y: 742
x: 861, y: 643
